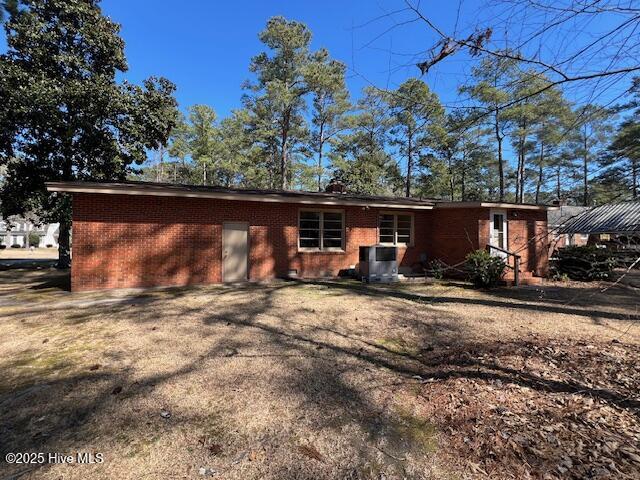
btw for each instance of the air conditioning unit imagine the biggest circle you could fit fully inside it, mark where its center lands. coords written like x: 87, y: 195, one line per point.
x: 379, y: 264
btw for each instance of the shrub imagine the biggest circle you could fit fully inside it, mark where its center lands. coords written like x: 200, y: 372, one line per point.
x: 483, y: 269
x: 584, y: 263
x: 2, y: 246
x: 15, y: 245
x: 436, y: 269
x: 49, y: 245
x: 34, y: 239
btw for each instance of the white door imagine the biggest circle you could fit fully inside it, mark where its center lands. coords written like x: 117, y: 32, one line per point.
x: 498, y: 231
x: 235, y: 252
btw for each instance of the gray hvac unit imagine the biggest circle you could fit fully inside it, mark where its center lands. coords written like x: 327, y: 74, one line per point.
x: 379, y: 264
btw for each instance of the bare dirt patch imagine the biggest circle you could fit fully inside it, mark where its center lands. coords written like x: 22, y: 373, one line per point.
x: 321, y: 380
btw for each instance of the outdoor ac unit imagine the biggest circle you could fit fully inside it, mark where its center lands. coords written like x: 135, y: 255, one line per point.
x: 379, y: 264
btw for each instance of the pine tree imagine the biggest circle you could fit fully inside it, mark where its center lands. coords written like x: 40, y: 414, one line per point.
x: 415, y: 111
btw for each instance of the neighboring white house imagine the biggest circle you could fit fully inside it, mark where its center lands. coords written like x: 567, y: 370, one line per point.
x: 16, y: 231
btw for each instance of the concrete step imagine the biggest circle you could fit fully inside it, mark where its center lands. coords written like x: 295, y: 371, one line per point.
x: 525, y: 281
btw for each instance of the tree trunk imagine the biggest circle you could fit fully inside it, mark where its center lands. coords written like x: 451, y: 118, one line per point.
x: 451, y: 179
x: 409, y: 165
x: 518, y: 177
x: 284, y: 154
x: 634, y: 178
x: 539, y: 184
x: 585, y: 173
x: 64, y: 246
x: 463, y: 178
x: 521, y: 162
x: 463, y: 185
x: 320, y: 147
x: 558, y: 188
x: 500, y: 164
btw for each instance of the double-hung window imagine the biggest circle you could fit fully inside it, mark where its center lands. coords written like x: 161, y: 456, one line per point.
x: 395, y: 229
x: 321, y: 230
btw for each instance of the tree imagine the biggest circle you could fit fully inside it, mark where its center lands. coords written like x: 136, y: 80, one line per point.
x: 278, y: 96
x: 552, y: 117
x: 325, y: 78
x: 588, y: 140
x: 523, y: 116
x: 202, y: 139
x: 458, y: 160
x: 489, y: 91
x: 415, y: 110
x: 359, y: 157
x: 234, y: 151
x: 625, y: 147
x: 64, y: 115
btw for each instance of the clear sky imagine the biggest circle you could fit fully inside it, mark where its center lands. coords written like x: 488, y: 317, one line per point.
x: 205, y: 47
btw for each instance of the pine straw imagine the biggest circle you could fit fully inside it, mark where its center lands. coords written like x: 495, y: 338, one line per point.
x: 313, y: 381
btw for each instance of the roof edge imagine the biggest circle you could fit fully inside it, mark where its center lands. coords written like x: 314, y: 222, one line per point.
x: 519, y: 206
x: 303, y: 198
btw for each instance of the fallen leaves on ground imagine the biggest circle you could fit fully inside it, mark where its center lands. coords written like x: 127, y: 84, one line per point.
x: 541, y: 409
x: 311, y: 452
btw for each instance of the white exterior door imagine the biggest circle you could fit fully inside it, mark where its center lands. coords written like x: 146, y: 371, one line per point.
x: 235, y: 252
x: 498, y: 231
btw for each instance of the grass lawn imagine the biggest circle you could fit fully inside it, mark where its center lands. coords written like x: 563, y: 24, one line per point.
x: 321, y: 380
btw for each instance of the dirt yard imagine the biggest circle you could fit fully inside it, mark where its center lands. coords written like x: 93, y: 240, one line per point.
x: 320, y: 380
x: 28, y: 253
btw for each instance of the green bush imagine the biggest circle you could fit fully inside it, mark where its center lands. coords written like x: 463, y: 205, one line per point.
x: 436, y: 268
x: 584, y: 263
x: 34, y: 239
x: 483, y: 269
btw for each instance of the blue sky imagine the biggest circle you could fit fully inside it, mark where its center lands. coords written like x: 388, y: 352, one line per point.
x: 205, y: 46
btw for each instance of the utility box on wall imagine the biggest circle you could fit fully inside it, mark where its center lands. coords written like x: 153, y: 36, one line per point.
x: 378, y: 264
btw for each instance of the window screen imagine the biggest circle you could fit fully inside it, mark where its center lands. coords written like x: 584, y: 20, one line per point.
x: 387, y: 229
x: 396, y: 229
x: 309, y: 229
x: 321, y: 230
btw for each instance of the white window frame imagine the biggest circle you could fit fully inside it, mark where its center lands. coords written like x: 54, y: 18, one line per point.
x: 321, y: 248
x: 505, y: 225
x: 395, y: 228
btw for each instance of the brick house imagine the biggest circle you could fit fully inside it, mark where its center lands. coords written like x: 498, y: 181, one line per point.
x: 137, y: 234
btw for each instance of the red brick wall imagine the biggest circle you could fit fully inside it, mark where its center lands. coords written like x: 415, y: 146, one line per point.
x: 528, y: 237
x: 457, y: 231
x: 454, y: 233
x: 132, y: 241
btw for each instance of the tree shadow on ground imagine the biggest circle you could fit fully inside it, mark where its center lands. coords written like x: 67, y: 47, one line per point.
x: 330, y: 369
x: 567, y: 299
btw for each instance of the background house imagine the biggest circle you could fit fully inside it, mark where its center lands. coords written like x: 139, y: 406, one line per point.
x: 613, y: 226
x: 16, y: 231
x: 557, y: 219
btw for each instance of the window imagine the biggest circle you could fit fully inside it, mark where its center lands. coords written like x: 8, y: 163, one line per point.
x: 396, y: 229
x: 321, y: 230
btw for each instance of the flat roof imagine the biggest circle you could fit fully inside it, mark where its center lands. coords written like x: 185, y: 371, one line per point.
x: 253, y: 195
x: 273, y: 196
